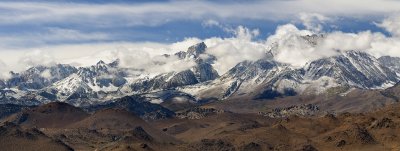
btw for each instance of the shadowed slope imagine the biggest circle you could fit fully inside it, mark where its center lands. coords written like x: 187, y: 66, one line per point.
x: 52, y: 115
x: 13, y: 137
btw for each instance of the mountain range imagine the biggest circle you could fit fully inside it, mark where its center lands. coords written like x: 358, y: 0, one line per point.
x: 260, y: 79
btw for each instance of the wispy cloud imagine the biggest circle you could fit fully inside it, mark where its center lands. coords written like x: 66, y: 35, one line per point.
x: 391, y: 24
x: 313, y: 21
x: 50, y: 36
x: 157, y: 13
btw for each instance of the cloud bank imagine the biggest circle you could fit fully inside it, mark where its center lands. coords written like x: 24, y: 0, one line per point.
x: 293, y: 49
x: 286, y: 41
x: 146, y: 56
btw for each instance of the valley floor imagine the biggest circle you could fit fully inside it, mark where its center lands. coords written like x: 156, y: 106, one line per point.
x: 117, y: 129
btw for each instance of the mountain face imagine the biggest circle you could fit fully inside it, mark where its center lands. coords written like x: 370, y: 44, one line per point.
x: 138, y: 106
x: 39, y: 77
x: 353, y: 68
x: 103, y: 75
x: 261, y: 79
x: 88, y: 83
x: 267, y: 79
x: 249, y: 74
x: 2, y: 84
x: 390, y: 62
x: 193, y: 51
x: 201, y: 72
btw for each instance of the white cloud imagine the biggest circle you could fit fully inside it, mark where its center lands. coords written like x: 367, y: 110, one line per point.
x: 46, y: 74
x: 293, y: 50
x: 245, y: 33
x: 144, y: 55
x: 392, y: 24
x: 348, y: 41
x: 4, y: 70
x: 34, y: 58
x: 60, y: 34
x: 313, y: 21
x: 288, y: 47
x: 185, y: 44
x: 151, y: 64
x: 211, y: 23
x: 230, y: 51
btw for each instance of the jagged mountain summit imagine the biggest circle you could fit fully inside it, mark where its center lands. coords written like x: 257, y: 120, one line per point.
x: 202, y: 71
x: 101, y: 82
x: 39, y: 77
x: 353, y: 68
x: 265, y: 78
